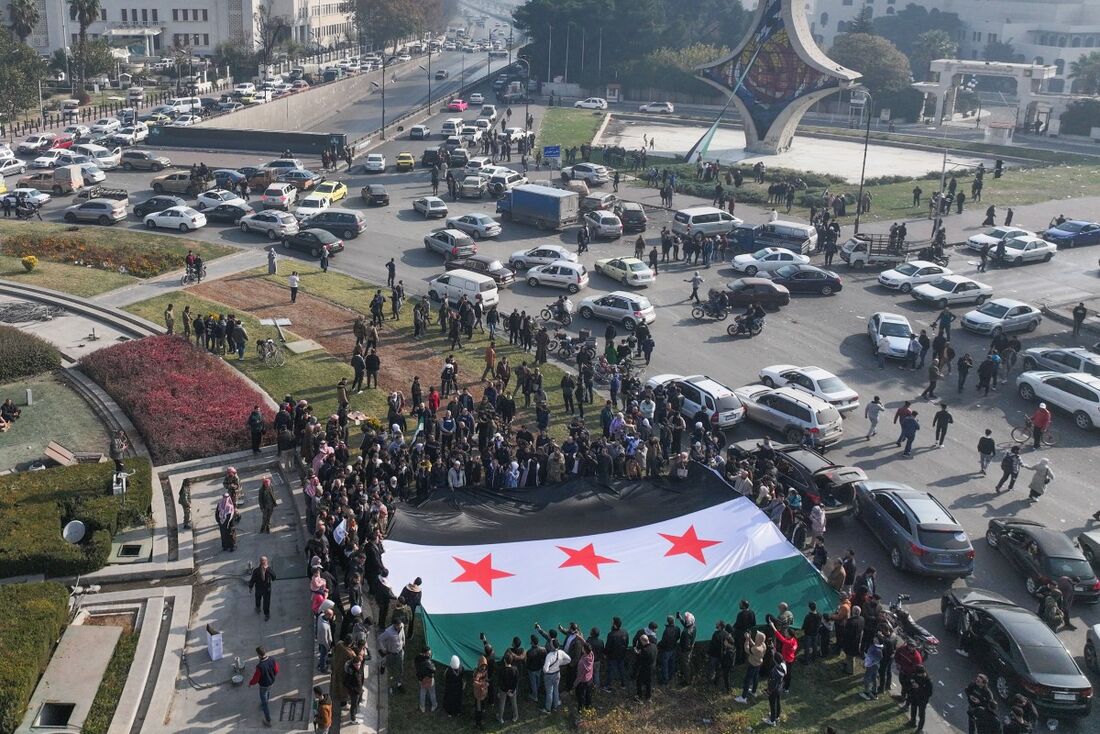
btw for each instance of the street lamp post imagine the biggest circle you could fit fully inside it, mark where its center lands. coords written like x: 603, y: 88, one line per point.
x: 526, y: 95
x: 868, y: 108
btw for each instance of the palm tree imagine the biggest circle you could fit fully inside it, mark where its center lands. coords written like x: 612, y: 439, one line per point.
x: 24, y: 17
x: 84, y: 12
x: 1086, y: 71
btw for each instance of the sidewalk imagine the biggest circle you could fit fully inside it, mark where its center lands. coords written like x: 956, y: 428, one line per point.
x: 215, y: 269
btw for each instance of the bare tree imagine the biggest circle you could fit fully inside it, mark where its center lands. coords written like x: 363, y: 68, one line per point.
x: 271, y: 30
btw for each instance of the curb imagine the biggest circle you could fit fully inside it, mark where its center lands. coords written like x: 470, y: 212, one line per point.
x: 135, y: 325
x: 1056, y: 314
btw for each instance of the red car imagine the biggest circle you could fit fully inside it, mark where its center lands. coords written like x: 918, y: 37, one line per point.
x: 63, y: 140
x: 458, y: 105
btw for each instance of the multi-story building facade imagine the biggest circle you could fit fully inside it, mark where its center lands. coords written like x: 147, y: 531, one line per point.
x: 1054, y: 32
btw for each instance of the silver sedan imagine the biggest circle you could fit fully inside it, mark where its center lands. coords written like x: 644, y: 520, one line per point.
x: 475, y: 225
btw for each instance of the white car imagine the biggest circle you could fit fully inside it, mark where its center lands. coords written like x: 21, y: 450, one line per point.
x: 1020, y: 250
x: 1002, y: 315
x: 36, y: 143
x: 12, y: 167
x: 420, y: 132
x: 49, y: 158
x: 592, y: 103
x: 214, y: 197
x: 475, y: 225
x: 627, y: 270
x: 274, y: 223
x: 566, y: 274
x: 604, y: 224
x: 245, y: 88
x: 814, y: 380
x: 311, y: 205
x: 77, y: 131
x: 590, y: 173
x: 700, y: 392
x: 952, y: 289
x: 488, y: 112
x: 1074, y: 392
x: 34, y: 196
x: 895, y: 328
x: 375, y: 163
x: 106, y: 125
x: 1071, y: 359
x: 541, y: 255
x: 476, y: 98
x: 663, y: 107
x: 470, y: 134
x: 185, y: 121
x: 70, y: 158
x: 621, y: 307
x: 430, y: 206
x: 766, y: 260
x: 404, y: 57
x: 92, y: 173
x: 993, y: 237
x: 183, y: 218
x: 905, y: 276
x: 131, y: 135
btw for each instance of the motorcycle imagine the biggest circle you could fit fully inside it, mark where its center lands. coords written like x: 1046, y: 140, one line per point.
x: 706, y: 310
x: 568, y: 346
x: 550, y: 313
x: 743, y: 326
x: 26, y: 212
x: 913, y: 633
x: 934, y: 255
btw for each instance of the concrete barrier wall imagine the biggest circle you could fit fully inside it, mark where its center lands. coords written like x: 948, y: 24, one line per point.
x: 299, y: 111
x: 232, y: 138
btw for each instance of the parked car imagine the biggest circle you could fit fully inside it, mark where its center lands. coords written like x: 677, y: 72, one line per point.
x: 1043, y: 554
x: 792, y: 413
x: 1018, y: 651
x: 905, y: 276
x: 420, y: 132
x: 100, y: 211
x: 1076, y: 393
x: 450, y: 243
x: 36, y: 143
x: 592, y: 103
x: 33, y: 195
x: 106, y: 125
x: 895, y: 328
x: 1069, y: 359
x: 228, y: 213
x: 815, y: 381
x: 473, y: 187
x: 702, y: 393
x: 182, y: 218
x: 817, y: 479
x: 214, y: 197
x: 311, y: 240
x: 953, y: 289
x: 375, y: 163
x: 156, y: 204
x: 766, y: 260
x: 48, y: 158
x: 310, y: 205
x: 1072, y: 233
x: 271, y: 222
x: 12, y: 167
x: 300, y: 178
x: 186, y: 120
x: 143, y: 160
x: 484, y: 265
x: 918, y: 532
x: 567, y: 274
x: 995, y: 236
x: 746, y: 291
x: 405, y: 161
x: 630, y: 271
x: 624, y: 308
x: 541, y: 255
x: 603, y: 224
x: 279, y: 196
x: 805, y: 278
x: 632, y: 215
x: 1089, y: 543
x: 131, y: 134
x: 475, y: 225
x: 1020, y: 250
x: 592, y: 174
x: 375, y: 195
x: 1002, y: 315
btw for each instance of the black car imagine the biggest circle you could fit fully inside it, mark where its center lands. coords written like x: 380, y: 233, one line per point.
x: 249, y: 171
x: 227, y: 213
x: 431, y: 157
x: 632, y: 215
x: 1043, y: 555
x: 157, y: 204
x: 458, y: 158
x: 209, y: 103
x: 311, y: 241
x: 745, y: 291
x: 501, y: 274
x: 817, y: 479
x: 798, y: 278
x: 1018, y: 652
x: 376, y: 195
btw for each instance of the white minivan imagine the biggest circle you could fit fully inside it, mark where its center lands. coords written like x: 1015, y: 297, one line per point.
x: 185, y: 105
x: 703, y: 221
x: 104, y: 158
x: 451, y: 126
x: 793, y: 236
x: 454, y: 284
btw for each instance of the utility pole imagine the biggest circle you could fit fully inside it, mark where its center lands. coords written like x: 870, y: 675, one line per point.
x: 599, y: 62
x: 568, y: 29
x: 868, y: 108
x: 549, y: 47
x: 429, y: 78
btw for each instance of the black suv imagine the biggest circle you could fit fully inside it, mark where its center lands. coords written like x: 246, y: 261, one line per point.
x: 341, y: 222
x: 632, y: 215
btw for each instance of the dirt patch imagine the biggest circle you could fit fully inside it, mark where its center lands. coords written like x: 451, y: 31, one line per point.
x: 125, y: 620
x: 328, y: 324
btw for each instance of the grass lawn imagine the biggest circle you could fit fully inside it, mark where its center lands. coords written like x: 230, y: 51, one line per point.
x: 58, y: 414
x: 74, y: 279
x: 820, y: 695
x: 568, y: 127
x: 312, y: 376
x: 110, y: 688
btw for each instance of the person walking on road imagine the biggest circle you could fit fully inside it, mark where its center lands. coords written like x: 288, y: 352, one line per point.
x: 293, y: 281
x: 919, y: 694
x: 872, y: 413
x: 696, y: 280
x: 1079, y: 313
x: 934, y: 376
x: 260, y: 583
x: 963, y: 366
x: 990, y: 217
x: 267, y: 669
x: 909, y: 427
x: 1010, y: 468
x: 268, y: 503
x: 1040, y: 479
x: 940, y: 421
x: 987, y: 449
x: 391, y: 273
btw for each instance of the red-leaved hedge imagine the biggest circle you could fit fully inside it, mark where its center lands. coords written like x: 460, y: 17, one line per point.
x: 186, y: 403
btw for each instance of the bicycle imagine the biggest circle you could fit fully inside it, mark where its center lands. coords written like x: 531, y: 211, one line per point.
x: 1024, y: 433
x: 270, y: 353
x: 189, y: 277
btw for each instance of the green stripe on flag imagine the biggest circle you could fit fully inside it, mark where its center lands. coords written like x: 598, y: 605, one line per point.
x: 793, y: 580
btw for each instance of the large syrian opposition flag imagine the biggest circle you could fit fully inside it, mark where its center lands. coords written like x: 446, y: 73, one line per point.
x: 703, y: 562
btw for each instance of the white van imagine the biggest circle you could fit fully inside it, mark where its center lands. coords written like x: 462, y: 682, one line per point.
x: 454, y: 284
x: 703, y: 221
x: 793, y: 236
x: 105, y: 158
x: 182, y: 105
x: 136, y: 95
x: 451, y: 126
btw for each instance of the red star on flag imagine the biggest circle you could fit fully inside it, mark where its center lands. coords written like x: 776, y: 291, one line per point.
x: 586, y: 558
x: 481, y: 573
x: 689, y: 543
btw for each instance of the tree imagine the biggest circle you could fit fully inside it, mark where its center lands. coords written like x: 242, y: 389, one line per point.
x: 24, y: 17
x: 905, y: 27
x: 931, y: 45
x: 1080, y: 117
x: 271, y: 30
x: 884, y: 68
x: 1085, y: 73
x: 999, y: 51
x: 84, y: 12
x: 862, y: 23
x: 20, y: 76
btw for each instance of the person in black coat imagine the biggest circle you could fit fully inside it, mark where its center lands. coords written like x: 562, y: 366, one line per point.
x: 453, y: 685
x: 643, y: 668
x: 920, y: 693
x: 743, y: 624
x: 852, y: 639
x: 615, y: 649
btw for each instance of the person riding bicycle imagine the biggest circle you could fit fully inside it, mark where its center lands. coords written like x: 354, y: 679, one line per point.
x: 1040, y: 423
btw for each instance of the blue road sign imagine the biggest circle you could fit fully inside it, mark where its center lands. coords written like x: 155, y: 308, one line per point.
x: 551, y: 151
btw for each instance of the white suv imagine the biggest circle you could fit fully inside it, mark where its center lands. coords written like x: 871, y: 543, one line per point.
x: 792, y: 412
x: 279, y: 196
x: 1074, y: 392
x: 699, y: 391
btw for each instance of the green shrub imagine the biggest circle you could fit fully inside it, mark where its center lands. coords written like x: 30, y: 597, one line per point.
x: 25, y: 355
x: 31, y: 619
x: 35, y: 506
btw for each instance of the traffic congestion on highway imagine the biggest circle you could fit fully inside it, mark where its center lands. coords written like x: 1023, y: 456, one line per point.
x: 458, y: 200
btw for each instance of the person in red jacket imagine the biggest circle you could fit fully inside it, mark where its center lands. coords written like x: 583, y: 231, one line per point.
x: 788, y: 649
x: 1040, y: 422
x: 908, y: 658
x: 266, y: 671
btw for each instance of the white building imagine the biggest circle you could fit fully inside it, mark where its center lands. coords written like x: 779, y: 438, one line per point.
x: 1054, y: 32
x: 154, y: 27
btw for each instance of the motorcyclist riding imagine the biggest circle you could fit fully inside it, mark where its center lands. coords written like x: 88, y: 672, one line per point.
x: 717, y: 300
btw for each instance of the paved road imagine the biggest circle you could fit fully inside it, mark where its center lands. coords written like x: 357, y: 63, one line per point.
x: 829, y: 332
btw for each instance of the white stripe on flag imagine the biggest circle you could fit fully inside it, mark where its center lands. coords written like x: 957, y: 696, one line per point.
x: 530, y: 572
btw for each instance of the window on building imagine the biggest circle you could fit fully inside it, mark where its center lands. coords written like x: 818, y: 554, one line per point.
x: 103, y: 14
x: 846, y: 2
x: 1076, y: 43
x: 1090, y: 42
x: 1039, y: 61
x: 1060, y: 65
x: 992, y: 37
x: 124, y: 15
x: 175, y: 15
x: 889, y: 11
x: 155, y: 18
x: 976, y: 36
x: 824, y: 20
x: 841, y: 26
x: 1056, y: 86
x: 1061, y: 41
